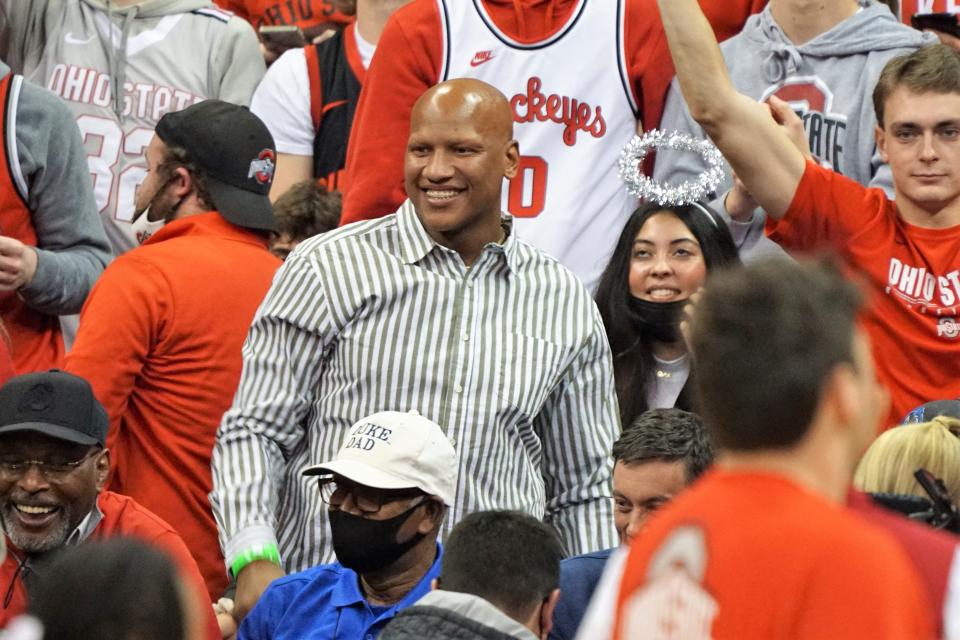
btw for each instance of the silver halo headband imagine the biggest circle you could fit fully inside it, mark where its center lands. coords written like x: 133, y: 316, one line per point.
x: 662, y: 193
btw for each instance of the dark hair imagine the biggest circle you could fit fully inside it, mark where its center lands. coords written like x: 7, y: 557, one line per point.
x: 633, y: 363
x: 508, y: 558
x: 120, y: 589
x: 174, y: 157
x: 306, y: 210
x: 933, y: 69
x: 670, y: 435
x: 765, y: 338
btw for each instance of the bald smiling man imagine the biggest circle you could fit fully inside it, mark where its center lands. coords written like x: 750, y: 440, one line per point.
x: 437, y: 308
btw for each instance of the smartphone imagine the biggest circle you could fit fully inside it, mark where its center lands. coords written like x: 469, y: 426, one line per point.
x: 282, y: 37
x: 945, y: 22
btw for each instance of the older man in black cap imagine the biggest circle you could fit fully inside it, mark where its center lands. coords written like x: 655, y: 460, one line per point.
x: 161, y: 333
x: 53, y: 467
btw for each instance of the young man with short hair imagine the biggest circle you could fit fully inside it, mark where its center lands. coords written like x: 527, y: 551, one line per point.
x: 906, y: 250
x: 498, y: 581
x: 656, y: 457
x: 767, y: 522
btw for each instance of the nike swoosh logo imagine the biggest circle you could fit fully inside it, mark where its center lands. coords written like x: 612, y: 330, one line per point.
x: 71, y: 39
x: 481, y: 58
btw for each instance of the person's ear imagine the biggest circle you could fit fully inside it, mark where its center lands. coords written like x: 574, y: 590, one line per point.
x: 433, y: 511
x: 512, y: 159
x: 103, y: 468
x: 182, y: 183
x: 881, y: 142
x: 546, y: 613
x: 842, y: 393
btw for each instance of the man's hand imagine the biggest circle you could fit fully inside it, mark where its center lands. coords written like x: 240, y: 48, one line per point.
x: 739, y: 203
x: 223, y: 609
x: 18, y: 264
x: 252, y: 581
x: 792, y: 125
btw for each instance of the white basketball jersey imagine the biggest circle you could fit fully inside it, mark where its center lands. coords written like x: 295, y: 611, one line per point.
x: 573, y: 111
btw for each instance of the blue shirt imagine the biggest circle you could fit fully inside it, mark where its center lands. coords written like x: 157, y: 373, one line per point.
x: 324, y: 603
x: 578, y: 579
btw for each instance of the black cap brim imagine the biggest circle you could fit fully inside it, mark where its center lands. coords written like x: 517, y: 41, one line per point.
x: 240, y: 207
x: 52, y: 430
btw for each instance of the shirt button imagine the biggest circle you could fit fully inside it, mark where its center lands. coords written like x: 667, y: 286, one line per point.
x: 458, y: 389
x: 465, y: 337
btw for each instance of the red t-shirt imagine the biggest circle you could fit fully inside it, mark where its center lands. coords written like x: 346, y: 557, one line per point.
x: 306, y: 14
x: 410, y: 54
x: 749, y: 554
x: 122, y: 517
x: 912, y: 275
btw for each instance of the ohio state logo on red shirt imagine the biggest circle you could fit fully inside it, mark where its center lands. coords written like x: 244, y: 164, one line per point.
x: 261, y: 169
x: 574, y: 115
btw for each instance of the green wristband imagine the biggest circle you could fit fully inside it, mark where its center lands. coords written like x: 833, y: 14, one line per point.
x: 259, y: 552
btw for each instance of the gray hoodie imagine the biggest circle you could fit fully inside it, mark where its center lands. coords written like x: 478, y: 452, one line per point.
x: 72, y: 248
x: 449, y: 615
x: 121, y: 69
x: 829, y: 81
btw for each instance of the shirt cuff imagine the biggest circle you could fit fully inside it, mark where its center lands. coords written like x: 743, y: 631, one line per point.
x: 246, y: 539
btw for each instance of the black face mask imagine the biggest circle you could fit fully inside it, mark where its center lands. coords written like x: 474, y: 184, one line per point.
x: 366, y: 545
x: 659, y: 320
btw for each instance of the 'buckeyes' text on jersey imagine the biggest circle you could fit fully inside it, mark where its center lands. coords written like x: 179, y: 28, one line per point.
x: 573, y: 111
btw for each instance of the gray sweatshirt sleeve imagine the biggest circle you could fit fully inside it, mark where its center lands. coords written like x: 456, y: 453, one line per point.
x: 238, y: 63
x: 72, y: 247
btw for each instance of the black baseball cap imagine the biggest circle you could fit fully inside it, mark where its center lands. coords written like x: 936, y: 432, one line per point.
x: 236, y: 150
x: 54, y: 403
x: 930, y: 410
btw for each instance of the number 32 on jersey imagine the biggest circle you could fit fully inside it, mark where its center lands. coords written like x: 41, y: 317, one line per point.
x: 116, y: 162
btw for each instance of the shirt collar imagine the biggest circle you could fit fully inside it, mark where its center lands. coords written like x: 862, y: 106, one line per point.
x: 86, y: 526
x: 209, y: 223
x: 416, y: 243
x: 347, y: 592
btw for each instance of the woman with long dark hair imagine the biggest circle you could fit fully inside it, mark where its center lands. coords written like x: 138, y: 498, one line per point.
x: 662, y: 257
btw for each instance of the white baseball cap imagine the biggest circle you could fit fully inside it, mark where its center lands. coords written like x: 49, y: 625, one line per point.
x: 394, y: 450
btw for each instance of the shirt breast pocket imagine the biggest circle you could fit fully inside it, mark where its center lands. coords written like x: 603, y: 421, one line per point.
x: 529, y: 370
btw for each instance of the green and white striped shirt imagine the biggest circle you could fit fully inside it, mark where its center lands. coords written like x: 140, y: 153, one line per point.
x: 508, y: 356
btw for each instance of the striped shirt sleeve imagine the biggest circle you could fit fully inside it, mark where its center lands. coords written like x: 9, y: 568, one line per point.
x: 282, y: 362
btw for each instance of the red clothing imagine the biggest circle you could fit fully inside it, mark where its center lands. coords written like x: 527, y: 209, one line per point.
x: 306, y: 14
x: 408, y: 61
x: 122, y: 517
x: 754, y: 555
x: 912, y: 277
x: 159, y: 341
x: 34, y: 336
x: 931, y: 551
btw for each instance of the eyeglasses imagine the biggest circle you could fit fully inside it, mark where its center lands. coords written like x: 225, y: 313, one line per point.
x: 367, y: 500
x: 56, y: 469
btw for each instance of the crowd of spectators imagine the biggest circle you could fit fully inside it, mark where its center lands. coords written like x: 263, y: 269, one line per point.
x: 336, y: 319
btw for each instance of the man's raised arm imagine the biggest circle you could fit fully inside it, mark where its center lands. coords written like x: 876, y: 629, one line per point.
x: 755, y: 146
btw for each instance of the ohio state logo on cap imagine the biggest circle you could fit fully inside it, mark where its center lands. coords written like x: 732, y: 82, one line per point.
x: 261, y: 169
